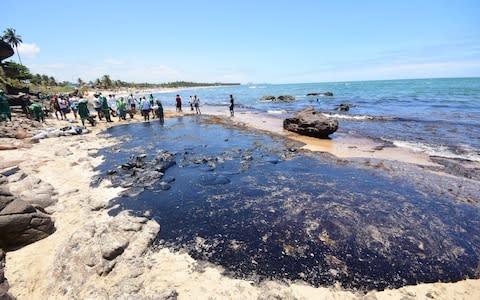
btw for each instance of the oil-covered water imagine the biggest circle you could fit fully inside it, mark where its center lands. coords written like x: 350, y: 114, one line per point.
x: 260, y: 208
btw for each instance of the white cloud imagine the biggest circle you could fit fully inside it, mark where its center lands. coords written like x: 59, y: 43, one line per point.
x: 115, y: 62
x: 29, y: 50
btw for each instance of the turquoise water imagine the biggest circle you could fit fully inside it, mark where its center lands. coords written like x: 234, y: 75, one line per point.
x: 437, y: 116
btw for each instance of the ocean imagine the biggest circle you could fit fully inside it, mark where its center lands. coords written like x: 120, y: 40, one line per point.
x: 439, y: 117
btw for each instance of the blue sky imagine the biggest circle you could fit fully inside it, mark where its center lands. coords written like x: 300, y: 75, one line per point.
x: 247, y: 41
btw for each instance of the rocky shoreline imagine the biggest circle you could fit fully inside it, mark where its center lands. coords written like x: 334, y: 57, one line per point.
x: 94, y: 255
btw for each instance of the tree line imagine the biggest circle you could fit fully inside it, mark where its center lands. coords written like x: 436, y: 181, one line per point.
x: 107, y: 83
x: 19, y: 76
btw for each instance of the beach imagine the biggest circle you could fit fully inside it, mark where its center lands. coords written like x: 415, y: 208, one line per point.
x: 68, y: 264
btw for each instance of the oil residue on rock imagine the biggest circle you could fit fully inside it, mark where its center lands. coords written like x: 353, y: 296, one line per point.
x: 253, y: 204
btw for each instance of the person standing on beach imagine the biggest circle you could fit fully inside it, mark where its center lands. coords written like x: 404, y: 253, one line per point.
x: 105, y: 107
x: 178, y: 101
x: 84, y: 112
x: 190, y: 101
x: 146, y: 109
x: 122, y: 109
x: 97, y: 106
x: 63, y: 104
x: 112, y: 104
x: 55, y: 106
x: 5, y: 112
x: 159, y: 110
x: 74, y: 106
x: 231, y: 105
x: 196, y: 103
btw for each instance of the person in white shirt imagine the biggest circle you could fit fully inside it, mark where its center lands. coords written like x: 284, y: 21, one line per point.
x: 196, y: 103
x: 145, y: 105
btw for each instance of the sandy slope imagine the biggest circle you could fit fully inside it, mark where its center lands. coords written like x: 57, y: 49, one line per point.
x: 158, y: 274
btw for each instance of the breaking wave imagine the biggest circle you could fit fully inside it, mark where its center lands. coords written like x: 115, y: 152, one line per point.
x: 463, y: 152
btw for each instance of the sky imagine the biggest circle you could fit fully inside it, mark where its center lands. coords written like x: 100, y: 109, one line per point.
x: 246, y: 41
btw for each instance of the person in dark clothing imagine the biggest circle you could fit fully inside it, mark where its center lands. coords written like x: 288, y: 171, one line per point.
x: 231, y: 105
x: 178, y: 101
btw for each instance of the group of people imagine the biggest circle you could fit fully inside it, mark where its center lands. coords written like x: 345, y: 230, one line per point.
x: 121, y: 107
x: 194, y: 102
x: 105, y: 107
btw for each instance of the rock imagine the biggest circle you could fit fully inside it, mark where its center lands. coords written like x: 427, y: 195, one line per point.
x: 4, y: 286
x: 103, y: 246
x: 165, y: 165
x: 21, y: 223
x: 164, y: 186
x: 311, y: 123
x: 169, y: 294
x: 321, y: 94
x: 133, y: 192
x: 5, y: 50
x: 343, y: 107
x: 33, y: 190
x: 286, y: 98
x: 268, y: 98
x: 283, y: 98
x: 112, y: 247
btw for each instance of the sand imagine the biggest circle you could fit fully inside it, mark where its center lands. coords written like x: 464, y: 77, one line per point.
x: 31, y: 272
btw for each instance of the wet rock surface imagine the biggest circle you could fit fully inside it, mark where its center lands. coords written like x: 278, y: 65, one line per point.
x: 311, y: 123
x: 261, y: 209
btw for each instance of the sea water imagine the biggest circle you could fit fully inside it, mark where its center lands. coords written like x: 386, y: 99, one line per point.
x: 261, y: 208
x: 440, y: 117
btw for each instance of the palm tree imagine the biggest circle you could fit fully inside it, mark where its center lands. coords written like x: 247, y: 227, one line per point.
x: 106, y: 81
x: 14, y: 39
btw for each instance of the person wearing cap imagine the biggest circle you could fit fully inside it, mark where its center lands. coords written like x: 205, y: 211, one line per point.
x: 4, y: 107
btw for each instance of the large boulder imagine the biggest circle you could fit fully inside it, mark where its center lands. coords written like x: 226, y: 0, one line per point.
x: 5, y: 50
x: 311, y: 123
x: 21, y: 223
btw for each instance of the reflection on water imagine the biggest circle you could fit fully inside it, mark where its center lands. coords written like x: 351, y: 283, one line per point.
x: 261, y: 209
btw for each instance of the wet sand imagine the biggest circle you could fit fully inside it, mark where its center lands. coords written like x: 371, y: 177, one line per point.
x: 31, y: 270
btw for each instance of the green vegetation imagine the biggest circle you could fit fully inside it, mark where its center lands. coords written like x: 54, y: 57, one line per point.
x: 10, y: 36
x: 106, y: 83
x: 18, y: 77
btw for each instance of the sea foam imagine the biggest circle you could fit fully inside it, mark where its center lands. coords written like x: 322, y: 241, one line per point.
x: 439, y: 150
